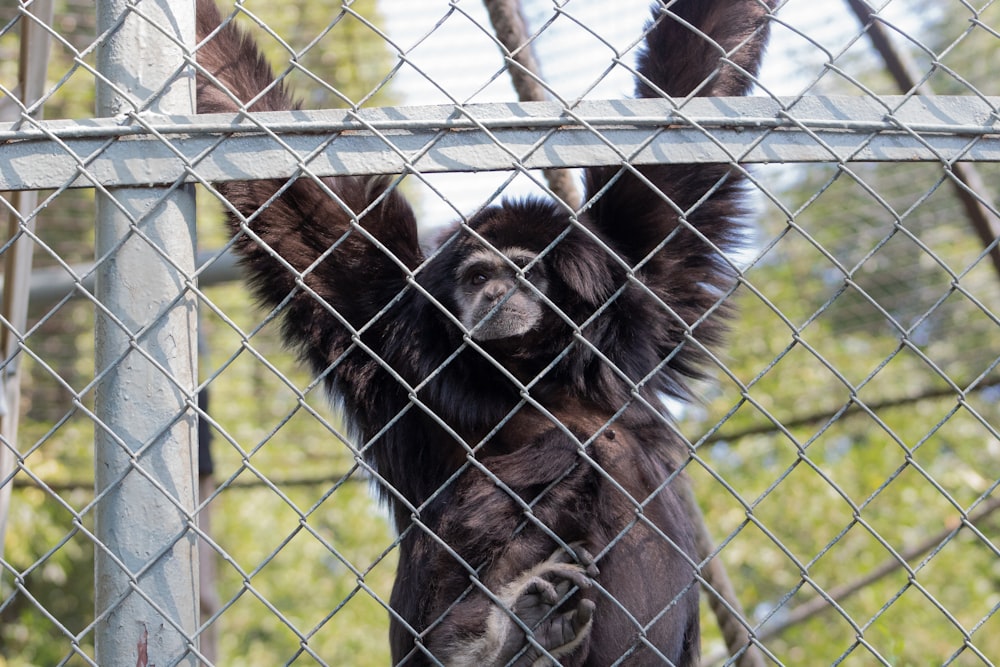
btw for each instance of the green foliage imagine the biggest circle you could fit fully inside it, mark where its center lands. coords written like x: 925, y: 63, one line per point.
x: 860, y: 421
x: 844, y: 329
x: 297, y: 550
x: 339, y: 57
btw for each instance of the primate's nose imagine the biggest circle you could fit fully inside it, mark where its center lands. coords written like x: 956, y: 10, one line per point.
x: 495, y: 290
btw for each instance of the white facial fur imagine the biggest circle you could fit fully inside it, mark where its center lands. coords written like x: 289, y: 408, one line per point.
x: 495, y: 298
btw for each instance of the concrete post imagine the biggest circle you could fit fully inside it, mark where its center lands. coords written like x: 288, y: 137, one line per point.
x: 145, y: 440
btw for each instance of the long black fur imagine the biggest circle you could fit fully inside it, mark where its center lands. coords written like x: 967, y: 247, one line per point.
x: 589, y: 453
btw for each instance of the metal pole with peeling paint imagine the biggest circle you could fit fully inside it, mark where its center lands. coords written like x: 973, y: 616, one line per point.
x: 145, y: 433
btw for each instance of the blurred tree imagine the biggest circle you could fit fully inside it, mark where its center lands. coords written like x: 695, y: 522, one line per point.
x: 871, y: 292
x: 45, y: 546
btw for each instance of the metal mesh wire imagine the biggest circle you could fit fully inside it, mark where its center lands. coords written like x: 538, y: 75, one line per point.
x: 845, y: 452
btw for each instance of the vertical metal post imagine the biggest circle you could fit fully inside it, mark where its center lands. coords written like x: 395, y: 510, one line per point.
x: 145, y: 439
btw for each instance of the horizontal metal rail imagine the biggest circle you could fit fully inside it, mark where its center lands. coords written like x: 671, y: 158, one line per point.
x: 156, y: 150
x: 48, y: 286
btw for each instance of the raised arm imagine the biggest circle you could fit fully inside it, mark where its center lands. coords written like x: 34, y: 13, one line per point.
x: 670, y: 221
x: 322, y: 229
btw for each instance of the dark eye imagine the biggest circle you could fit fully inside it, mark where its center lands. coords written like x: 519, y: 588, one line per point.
x: 478, y: 278
x: 535, y: 272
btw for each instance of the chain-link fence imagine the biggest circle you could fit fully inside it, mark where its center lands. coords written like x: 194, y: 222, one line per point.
x: 176, y: 488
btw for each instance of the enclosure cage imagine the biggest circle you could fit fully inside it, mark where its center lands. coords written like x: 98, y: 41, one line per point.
x: 175, y: 489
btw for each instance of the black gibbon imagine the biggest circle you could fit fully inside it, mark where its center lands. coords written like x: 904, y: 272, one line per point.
x: 507, y: 388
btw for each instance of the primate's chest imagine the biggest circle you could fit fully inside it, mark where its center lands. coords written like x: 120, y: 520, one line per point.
x: 569, y: 421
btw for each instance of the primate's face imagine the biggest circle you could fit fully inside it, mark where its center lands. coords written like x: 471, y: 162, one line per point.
x: 500, y: 296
